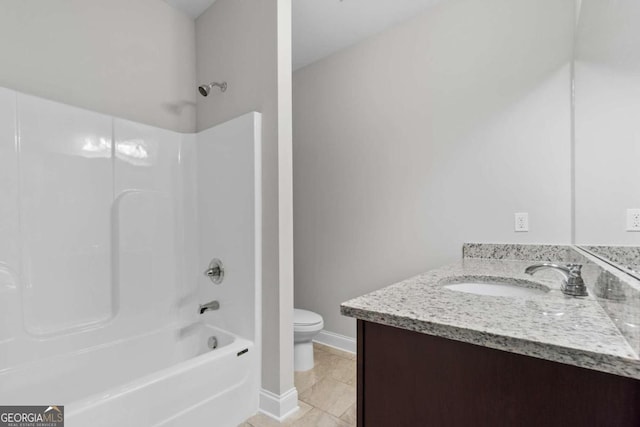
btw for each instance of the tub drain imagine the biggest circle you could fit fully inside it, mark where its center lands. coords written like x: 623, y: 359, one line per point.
x: 212, y: 342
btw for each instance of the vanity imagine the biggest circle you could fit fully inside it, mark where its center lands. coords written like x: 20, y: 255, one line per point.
x: 482, y: 343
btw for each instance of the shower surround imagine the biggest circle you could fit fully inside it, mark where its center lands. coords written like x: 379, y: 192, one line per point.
x: 106, y: 227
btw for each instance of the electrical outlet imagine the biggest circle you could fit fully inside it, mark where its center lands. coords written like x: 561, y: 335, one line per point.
x: 633, y: 219
x: 522, y: 221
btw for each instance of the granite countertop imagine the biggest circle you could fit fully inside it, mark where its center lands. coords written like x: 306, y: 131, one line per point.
x: 551, y: 325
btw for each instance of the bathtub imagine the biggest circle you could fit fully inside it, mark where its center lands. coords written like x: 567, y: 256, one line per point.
x: 168, y: 377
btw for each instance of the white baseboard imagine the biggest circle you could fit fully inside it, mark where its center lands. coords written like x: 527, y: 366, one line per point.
x: 276, y: 406
x: 338, y: 341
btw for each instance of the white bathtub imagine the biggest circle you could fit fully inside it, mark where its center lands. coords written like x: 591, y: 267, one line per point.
x: 166, y: 378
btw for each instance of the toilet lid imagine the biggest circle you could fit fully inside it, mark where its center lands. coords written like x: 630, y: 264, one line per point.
x: 305, y: 317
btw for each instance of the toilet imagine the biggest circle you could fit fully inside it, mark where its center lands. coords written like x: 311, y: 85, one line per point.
x: 306, y: 325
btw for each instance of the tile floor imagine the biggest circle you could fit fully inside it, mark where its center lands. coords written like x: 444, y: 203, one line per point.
x: 327, y: 393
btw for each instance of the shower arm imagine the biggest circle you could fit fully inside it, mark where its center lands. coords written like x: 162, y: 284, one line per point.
x: 222, y: 86
x: 205, y: 89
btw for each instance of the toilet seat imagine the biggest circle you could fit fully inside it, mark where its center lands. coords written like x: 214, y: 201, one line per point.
x: 306, y: 321
x: 305, y: 317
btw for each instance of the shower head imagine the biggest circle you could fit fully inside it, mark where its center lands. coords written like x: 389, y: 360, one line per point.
x: 206, y: 89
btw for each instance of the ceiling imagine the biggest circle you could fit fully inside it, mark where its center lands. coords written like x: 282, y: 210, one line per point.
x: 322, y: 27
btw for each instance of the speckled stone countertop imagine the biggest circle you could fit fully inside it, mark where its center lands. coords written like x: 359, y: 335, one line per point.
x: 551, y: 326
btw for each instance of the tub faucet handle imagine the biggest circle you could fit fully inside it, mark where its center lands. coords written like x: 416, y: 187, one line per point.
x: 215, y: 271
x: 575, y: 269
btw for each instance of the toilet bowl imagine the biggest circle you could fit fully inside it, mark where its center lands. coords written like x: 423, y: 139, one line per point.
x: 306, y: 325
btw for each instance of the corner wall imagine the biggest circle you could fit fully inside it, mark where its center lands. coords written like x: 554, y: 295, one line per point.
x: 433, y: 133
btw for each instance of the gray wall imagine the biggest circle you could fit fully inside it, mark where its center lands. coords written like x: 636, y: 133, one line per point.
x: 130, y: 59
x: 428, y: 135
x: 247, y: 43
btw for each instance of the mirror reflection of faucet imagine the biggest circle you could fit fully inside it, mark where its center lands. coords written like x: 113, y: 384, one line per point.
x: 212, y: 305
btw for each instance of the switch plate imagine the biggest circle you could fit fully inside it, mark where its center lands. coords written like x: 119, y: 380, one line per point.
x: 633, y: 219
x: 521, y: 222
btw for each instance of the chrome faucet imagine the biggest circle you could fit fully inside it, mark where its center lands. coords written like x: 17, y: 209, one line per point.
x: 213, y: 305
x: 572, y: 284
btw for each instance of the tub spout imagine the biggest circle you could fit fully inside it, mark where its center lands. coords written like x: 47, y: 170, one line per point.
x: 213, y: 305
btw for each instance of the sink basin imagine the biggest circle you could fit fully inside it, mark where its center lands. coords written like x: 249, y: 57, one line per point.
x: 497, y: 289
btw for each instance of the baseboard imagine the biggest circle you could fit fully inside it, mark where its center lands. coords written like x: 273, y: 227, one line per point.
x: 341, y: 342
x: 276, y: 406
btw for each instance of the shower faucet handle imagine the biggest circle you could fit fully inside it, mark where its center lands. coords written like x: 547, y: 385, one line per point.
x: 215, y: 271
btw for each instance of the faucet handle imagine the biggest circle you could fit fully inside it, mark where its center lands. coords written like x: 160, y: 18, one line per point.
x: 215, y: 271
x: 575, y: 269
x: 575, y: 284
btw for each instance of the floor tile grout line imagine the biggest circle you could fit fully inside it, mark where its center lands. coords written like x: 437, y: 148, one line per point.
x: 345, y: 411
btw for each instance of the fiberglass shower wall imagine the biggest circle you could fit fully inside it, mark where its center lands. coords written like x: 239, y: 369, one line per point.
x: 90, y: 229
x: 228, y: 174
x: 107, y: 225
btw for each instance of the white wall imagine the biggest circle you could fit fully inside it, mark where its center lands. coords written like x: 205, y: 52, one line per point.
x: 431, y: 134
x: 247, y: 43
x: 607, y: 125
x: 130, y: 59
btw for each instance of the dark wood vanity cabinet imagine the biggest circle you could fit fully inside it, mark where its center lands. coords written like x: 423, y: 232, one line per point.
x: 410, y: 379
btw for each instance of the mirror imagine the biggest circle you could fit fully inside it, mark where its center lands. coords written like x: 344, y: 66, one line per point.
x: 467, y: 109
x: 607, y: 131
